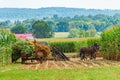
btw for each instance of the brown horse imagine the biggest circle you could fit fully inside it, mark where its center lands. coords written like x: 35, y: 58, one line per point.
x: 89, y: 51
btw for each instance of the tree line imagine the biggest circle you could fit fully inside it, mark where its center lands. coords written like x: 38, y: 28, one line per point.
x: 28, y: 13
x: 77, y: 26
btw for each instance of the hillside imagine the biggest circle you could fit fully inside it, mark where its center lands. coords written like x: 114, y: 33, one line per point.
x: 25, y: 13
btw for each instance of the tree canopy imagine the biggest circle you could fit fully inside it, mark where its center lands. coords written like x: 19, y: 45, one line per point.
x: 42, y: 30
x: 19, y: 28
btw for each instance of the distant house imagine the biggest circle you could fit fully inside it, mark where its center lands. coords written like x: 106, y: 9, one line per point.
x: 24, y: 36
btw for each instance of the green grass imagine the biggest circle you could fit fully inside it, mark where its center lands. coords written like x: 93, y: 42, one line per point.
x: 63, y: 39
x: 98, y: 73
x: 61, y: 34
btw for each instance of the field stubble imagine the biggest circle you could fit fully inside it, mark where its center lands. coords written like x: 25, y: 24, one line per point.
x: 73, y: 63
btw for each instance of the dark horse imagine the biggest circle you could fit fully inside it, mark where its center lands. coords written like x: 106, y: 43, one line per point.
x: 89, y: 51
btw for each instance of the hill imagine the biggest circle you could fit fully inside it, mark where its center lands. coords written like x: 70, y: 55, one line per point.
x: 25, y: 13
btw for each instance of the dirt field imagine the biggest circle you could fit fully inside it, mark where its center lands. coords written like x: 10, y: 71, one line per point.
x: 73, y: 63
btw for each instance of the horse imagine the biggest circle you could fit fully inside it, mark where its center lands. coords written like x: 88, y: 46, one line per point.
x: 89, y: 51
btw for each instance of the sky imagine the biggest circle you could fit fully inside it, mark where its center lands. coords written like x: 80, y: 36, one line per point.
x: 88, y: 4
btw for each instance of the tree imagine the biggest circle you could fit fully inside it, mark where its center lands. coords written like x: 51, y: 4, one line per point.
x: 19, y: 28
x: 79, y: 33
x: 5, y: 24
x: 62, y: 27
x: 93, y: 33
x: 73, y: 33
x: 55, y: 17
x: 82, y: 33
x: 42, y: 30
x: 52, y: 24
x: 29, y: 23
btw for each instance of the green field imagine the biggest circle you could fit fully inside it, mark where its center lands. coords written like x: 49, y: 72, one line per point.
x: 14, y: 72
x: 63, y: 39
x: 61, y: 34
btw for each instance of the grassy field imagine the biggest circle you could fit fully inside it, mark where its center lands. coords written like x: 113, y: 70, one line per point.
x: 14, y: 72
x: 62, y: 39
x: 61, y: 34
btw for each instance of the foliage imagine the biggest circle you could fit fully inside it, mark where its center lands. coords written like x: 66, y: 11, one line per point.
x: 28, y: 23
x: 78, y: 33
x: 110, y: 42
x: 74, y: 46
x: 42, y: 30
x: 93, y: 40
x: 5, y: 55
x: 19, y: 28
x: 62, y: 27
x: 6, y: 37
x: 23, y: 13
x: 64, y: 46
x: 21, y: 48
x: 5, y: 24
x: 66, y: 19
x: 26, y: 48
x: 88, y: 24
x: 74, y: 33
x: 6, y: 40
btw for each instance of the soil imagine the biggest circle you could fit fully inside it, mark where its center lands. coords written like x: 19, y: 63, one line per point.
x: 74, y: 62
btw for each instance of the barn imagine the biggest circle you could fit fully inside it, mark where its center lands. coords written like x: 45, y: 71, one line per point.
x: 24, y: 36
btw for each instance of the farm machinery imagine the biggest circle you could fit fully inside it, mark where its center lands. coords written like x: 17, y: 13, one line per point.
x: 36, y: 51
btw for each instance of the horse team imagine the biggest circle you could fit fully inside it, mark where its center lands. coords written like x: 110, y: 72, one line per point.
x: 91, y: 51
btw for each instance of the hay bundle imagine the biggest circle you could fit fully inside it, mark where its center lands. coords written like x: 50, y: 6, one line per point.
x: 22, y: 49
x: 42, y: 48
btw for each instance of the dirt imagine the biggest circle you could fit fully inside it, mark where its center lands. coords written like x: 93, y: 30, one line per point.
x: 73, y: 63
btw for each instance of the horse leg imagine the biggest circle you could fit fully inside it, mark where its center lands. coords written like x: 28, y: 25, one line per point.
x: 31, y: 60
x: 94, y: 56
x: 91, y: 56
x: 23, y: 60
x: 82, y: 56
x: 85, y: 57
